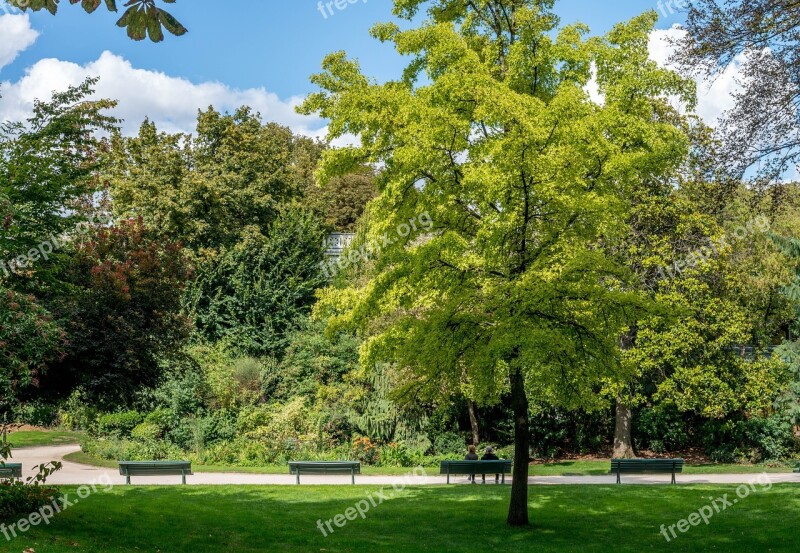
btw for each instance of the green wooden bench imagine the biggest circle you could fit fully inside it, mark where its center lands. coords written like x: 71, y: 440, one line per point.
x: 325, y: 467
x: 473, y: 468
x: 155, y: 468
x: 641, y: 466
x: 11, y: 470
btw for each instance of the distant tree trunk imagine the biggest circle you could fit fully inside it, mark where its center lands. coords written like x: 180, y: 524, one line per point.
x: 473, y: 421
x: 623, y: 440
x: 518, y: 511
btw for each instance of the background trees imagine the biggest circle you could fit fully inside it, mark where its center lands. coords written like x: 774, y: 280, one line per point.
x: 761, y: 35
x: 254, y: 293
x: 121, y: 313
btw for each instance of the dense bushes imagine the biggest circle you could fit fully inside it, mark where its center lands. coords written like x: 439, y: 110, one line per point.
x: 749, y: 440
x: 17, y: 499
x: 119, y: 425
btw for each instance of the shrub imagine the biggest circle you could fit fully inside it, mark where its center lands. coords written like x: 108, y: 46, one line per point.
x: 399, y: 455
x: 119, y: 425
x: 749, y: 440
x: 146, y: 431
x: 661, y: 429
x: 126, y: 450
x: 77, y: 412
x: 449, y: 443
x: 36, y: 413
x: 17, y: 499
x: 247, y: 374
x: 366, y: 451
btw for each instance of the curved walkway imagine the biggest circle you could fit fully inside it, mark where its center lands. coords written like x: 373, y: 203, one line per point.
x: 77, y: 474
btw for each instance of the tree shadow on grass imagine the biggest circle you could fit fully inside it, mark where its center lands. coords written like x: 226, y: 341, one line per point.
x: 438, y: 519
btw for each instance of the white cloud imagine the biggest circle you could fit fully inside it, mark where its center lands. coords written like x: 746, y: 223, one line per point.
x: 713, y: 96
x: 17, y: 35
x: 170, y: 102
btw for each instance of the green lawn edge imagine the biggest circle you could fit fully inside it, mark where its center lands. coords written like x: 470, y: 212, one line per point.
x: 42, y: 438
x: 562, y: 468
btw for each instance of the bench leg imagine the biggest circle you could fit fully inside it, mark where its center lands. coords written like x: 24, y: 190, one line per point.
x: 353, y: 476
x: 619, y: 481
x: 127, y: 479
x: 298, y: 476
x: 183, y: 477
x: 504, y: 478
x: 673, y: 478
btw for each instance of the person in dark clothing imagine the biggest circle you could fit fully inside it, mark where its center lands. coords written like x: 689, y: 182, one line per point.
x: 490, y: 456
x: 471, y: 456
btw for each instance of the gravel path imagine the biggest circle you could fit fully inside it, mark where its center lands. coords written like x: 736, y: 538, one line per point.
x: 77, y: 474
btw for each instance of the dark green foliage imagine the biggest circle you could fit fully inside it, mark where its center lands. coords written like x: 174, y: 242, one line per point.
x: 556, y: 432
x: 341, y: 202
x: 18, y: 499
x: 661, y: 429
x: 311, y: 359
x: 123, y: 315
x: 142, y: 18
x: 183, y: 394
x: 253, y: 294
x: 749, y: 440
x: 29, y: 339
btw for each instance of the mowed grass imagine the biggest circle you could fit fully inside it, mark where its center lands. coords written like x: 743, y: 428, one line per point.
x: 600, y: 467
x: 455, y: 519
x: 562, y: 468
x: 37, y: 438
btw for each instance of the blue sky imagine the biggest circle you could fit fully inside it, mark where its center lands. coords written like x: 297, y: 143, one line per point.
x: 262, y: 54
x: 276, y: 44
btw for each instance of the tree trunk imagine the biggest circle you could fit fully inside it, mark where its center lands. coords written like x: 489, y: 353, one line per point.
x: 518, y: 510
x: 623, y: 441
x: 473, y: 421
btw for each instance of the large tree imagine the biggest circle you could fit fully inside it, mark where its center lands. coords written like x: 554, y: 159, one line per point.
x: 492, y: 132
x: 762, y: 130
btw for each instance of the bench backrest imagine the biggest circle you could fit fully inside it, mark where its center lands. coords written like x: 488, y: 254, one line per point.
x: 11, y: 470
x: 147, y: 468
x: 646, y: 465
x: 475, y: 467
x: 325, y: 467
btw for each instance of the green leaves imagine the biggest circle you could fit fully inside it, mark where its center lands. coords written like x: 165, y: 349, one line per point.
x: 142, y: 18
x: 524, y: 177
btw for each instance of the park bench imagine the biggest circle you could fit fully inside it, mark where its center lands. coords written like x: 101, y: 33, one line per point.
x: 641, y: 466
x: 473, y: 468
x: 155, y: 468
x: 10, y: 470
x: 325, y: 467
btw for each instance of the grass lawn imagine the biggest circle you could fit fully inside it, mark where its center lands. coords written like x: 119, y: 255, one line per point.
x: 439, y: 519
x: 583, y: 468
x: 35, y: 438
x: 564, y: 468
